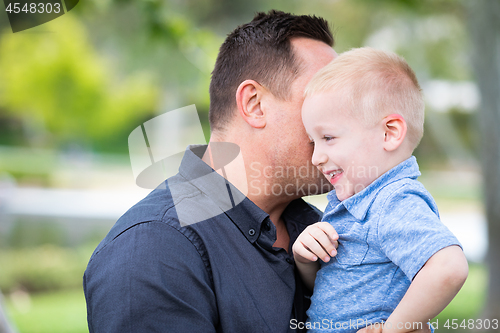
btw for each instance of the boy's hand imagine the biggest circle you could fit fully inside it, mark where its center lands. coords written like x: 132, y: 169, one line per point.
x: 319, y: 240
x: 378, y: 329
x: 371, y: 329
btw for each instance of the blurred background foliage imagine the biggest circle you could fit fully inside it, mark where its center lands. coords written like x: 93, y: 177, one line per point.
x: 62, y: 91
x: 72, y: 90
x: 111, y: 65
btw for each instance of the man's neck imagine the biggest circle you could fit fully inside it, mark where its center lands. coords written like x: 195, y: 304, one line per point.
x: 257, y: 189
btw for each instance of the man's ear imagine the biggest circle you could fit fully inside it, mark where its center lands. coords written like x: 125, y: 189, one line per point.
x: 248, y: 100
x: 395, y: 131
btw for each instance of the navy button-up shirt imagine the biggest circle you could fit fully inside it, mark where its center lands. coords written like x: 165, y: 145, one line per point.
x: 162, y: 268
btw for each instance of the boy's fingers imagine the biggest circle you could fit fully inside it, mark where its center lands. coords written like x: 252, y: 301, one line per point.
x: 325, y: 243
x: 317, y: 241
x: 332, y: 234
x: 315, y: 247
x: 329, y: 230
x: 302, y: 251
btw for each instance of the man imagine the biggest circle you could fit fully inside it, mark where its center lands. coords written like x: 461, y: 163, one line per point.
x: 197, y: 255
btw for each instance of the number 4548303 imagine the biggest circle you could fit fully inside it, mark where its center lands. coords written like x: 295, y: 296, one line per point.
x: 33, y: 8
x: 472, y: 324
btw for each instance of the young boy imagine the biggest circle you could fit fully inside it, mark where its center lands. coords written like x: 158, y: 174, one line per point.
x: 396, y: 262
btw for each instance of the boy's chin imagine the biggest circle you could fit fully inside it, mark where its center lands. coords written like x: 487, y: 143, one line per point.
x: 341, y: 194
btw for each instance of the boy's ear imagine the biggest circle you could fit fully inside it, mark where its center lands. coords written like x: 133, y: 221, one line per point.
x: 395, y: 131
x: 248, y: 99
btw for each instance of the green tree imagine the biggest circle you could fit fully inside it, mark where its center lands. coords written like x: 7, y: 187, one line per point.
x: 57, y: 84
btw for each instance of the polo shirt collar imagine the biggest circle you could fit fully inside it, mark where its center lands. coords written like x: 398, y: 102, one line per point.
x: 359, y: 203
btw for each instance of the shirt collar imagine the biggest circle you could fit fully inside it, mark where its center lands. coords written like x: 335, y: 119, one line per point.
x: 359, y: 203
x: 241, y: 210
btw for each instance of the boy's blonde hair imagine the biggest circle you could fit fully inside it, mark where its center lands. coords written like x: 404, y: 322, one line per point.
x: 376, y: 84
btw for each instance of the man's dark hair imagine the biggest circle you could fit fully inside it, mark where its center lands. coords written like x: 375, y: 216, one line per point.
x: 260, y: 50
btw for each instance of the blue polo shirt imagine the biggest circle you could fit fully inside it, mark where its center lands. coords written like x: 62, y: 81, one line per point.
x: 387, y: 232
x: 195, y: 255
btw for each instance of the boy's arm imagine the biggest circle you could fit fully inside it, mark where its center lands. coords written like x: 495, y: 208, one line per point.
x: 431, y: 290
x: 308, y: 272
x: 318, y: 240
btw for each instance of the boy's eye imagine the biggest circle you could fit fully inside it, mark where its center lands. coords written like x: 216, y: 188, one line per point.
x: 328, y: 138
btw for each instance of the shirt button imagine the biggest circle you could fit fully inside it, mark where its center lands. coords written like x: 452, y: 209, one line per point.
x: 289, y: 260
x: 251, y: 232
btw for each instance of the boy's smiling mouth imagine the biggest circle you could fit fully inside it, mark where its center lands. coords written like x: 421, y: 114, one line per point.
x: 333, y: 175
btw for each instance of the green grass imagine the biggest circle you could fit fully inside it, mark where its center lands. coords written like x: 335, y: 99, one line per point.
x: 468, y: 302
x: 44, y: 268
x: 54, y: 312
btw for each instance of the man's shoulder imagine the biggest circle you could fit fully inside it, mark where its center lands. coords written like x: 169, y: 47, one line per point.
x: 160, y: 211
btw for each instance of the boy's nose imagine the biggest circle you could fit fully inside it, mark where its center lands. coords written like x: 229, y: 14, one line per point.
x: 318, y: 157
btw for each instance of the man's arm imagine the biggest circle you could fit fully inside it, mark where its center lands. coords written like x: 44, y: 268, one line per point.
x: 316, y: 241
x: 431, y: 290
x: 149, y: 278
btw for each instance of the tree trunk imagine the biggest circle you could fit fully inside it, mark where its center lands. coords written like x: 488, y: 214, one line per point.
x: 484, y: 25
